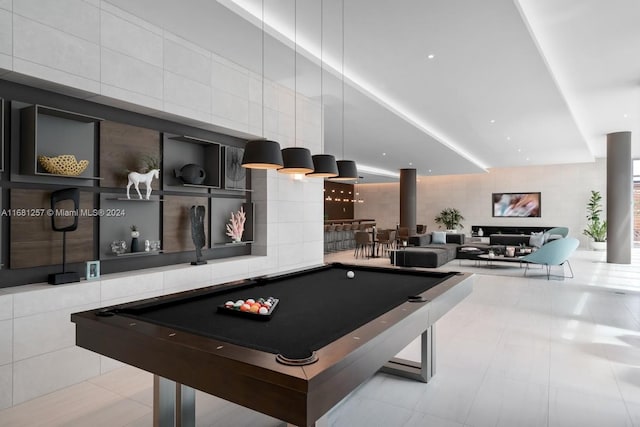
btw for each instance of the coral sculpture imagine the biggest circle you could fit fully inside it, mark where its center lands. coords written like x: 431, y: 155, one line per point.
x: 236, y: 227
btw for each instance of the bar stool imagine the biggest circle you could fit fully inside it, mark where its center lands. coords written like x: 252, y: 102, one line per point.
x: 346, y: 236
x: 338, y: 237
x: 326, y: 238
x: 331, y: 237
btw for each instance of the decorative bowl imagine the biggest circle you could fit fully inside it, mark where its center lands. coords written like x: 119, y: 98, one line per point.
x: 64, y: 164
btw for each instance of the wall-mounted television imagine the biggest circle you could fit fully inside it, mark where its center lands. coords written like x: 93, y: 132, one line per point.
x: 518, y: 205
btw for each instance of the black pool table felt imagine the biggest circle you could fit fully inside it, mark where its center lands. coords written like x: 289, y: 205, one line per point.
x: 314, y: 309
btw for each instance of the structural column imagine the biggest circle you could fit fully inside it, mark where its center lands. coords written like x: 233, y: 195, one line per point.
x: 619, y: 198
x: 408, y: 199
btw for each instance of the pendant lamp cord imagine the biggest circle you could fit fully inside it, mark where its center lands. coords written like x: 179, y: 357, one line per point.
x: 321, y: 78
x: 343, y: 79
x: 263, y: 69
x: 295, y: 73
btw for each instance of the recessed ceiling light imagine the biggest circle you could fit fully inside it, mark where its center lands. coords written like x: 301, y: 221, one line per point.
x: 429, y: 170
x: 528, y: 159
x: 519, y: 150
x: 410, y: 164
x: 492, y: 121
x: 384, y: 154
x: 625, y: 115
x: 508, y: 138
x: 431, y: 56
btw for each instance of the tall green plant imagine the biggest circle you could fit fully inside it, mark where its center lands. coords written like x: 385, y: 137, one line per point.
x: 451, y: 218
x: 596, y: 227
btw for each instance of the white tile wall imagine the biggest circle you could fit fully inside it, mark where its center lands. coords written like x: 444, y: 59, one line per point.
x: 50, y: 47
x: 131, y: 98
x: 35, y: 299
x: 6, y: 33
x: 50, y: 371
x: 6, y: 306
x: 125, y: 285
x: 187, y: 60
x: 228, y: 270
x: 107, y: 7
x: 44, y: 332
x: 226, y: 105
x: 187, y: 276
x: 230, y: 78
x: 84, y: 22
x: 6, y: 341
x: 130, y: 73
x: 6, y: 386
x: 51, y: 74
x: 6, y: 64
x: 188, y: 93
x: 6, y: 4
x: 123, y: 36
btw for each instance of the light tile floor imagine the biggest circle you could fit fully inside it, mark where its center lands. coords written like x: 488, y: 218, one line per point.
x: 517, y: 352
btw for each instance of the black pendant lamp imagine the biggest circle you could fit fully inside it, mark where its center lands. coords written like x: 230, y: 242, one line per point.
x: 262, y: 154
x: 324, y: 165
x: 297, y: 160
x: 347, y: 169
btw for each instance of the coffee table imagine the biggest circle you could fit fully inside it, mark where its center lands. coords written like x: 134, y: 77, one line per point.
x: 502, y: 258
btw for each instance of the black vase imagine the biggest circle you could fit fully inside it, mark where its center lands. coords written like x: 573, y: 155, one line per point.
x: 191, y: 174
x: 135, y: 246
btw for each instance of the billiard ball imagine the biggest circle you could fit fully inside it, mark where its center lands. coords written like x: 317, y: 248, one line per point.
x: 263, y: 310
x: 351, y: 274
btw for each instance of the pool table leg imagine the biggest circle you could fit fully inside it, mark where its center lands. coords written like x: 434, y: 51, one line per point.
x: 419, y: 371
x: 174, y: 404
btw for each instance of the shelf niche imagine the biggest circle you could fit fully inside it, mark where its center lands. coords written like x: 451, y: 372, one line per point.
x: 122, y: 148
x: 34, y: 243
x: 234, y: 175
x: 176, y: 222
x: 221, y: 210
x: 2, y: 113
x: 179, y: 151
x: 51, y: 132
x: 115, y: 225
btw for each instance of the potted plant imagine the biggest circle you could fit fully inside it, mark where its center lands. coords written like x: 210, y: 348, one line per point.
x: 451, y: 218
x: 596, y: 226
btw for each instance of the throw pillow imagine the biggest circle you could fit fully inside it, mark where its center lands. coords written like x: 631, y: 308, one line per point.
x: 439, y: 237
x: 536, y: 240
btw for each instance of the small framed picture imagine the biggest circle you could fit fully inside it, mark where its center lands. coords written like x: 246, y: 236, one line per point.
x: 93, y: 270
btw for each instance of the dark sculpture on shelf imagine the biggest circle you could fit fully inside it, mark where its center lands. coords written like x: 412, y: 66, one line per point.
x: 63, y: 220
x: 197, y: 214
x: 191, y: 174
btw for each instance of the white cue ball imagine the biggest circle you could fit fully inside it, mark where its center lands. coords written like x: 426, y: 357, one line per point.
x: 351, y: 274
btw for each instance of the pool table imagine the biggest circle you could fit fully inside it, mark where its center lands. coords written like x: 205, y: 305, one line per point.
x: 327, y: 335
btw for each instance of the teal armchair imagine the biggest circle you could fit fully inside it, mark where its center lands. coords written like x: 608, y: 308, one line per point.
x: 556, y: 252
x: 561, y: 231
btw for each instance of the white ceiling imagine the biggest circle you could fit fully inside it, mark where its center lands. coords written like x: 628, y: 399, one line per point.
x: 555, y: 76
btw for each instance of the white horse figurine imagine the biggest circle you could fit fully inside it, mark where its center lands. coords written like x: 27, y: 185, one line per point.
x: 135, y: 178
